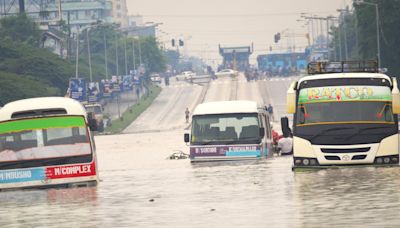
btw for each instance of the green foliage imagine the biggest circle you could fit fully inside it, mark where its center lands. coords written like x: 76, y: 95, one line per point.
x: 151, y: 55
x: 38, y: 63
x: 15, y: 87
x: 20, y: 29
x: 29, y: 71
x: 362, y: 35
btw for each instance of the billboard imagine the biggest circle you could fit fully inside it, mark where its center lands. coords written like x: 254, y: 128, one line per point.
x: 93, y: 92
x: 77, y: 89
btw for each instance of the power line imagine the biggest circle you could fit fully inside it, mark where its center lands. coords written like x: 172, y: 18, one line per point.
x: 233, y: 15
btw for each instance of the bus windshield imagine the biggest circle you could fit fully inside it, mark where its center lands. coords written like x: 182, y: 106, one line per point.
x: 43, y: 138
x: 342, y: 105
x: 95, y: 109
x: 344, y: 112
x: 243, y: 128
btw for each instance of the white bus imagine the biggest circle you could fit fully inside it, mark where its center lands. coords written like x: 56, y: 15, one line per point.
x: 346, y: 118
x: 46, y: 142
x: 229, y: 130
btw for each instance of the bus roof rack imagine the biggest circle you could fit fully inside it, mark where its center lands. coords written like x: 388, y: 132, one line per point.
x: 326, y: 67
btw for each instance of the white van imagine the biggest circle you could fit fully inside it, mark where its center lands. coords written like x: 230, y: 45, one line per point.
x: 229, y: 130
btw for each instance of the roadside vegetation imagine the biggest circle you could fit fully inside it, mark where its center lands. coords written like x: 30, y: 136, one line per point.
x: 358, y: 28
x: 118, y: 125
x: 27, y: 69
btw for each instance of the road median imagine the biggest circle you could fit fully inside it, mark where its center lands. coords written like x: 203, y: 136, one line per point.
x: 133, y: 112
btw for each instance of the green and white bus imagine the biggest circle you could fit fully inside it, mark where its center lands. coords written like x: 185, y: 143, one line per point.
x: 344, y: 114
x: 46, y: 143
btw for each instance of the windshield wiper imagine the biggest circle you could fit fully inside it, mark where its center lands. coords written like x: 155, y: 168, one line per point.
x: 328, y: 130
x: 364, y: 129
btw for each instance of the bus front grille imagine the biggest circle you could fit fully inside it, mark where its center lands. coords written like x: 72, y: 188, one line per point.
x: 347, y: 150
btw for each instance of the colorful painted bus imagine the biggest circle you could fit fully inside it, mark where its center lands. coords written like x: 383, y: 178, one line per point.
x: 46, y: 142
x: 346, y: 118
x: 229, y: 130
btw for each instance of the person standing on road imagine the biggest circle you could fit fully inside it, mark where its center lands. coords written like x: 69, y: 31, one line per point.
x: 270, y: 111
x: 137, y: 93
x: 187, y: 115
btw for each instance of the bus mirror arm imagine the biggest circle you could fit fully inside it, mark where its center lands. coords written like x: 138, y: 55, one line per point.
x: 262, y: 132
x: 285, y: 126
x: 187, y: 138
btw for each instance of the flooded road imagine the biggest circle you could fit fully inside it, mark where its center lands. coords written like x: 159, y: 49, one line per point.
x: 140, y: 187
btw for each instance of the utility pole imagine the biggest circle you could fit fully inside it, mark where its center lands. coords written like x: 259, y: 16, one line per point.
x: 116, y: 55
x: 21, y: 6
x: 140, y: 52
x: 133, y: 54
x: 343, y: 17
x: 340, y: 42
x: 89, y: 55
x: 105, y: 54
x: 69, y: 35
x: 126, y: 62
x: 77, y: 53
x: 378, y: 45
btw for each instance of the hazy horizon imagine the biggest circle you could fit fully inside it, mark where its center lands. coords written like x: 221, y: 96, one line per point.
x: 206, y: 24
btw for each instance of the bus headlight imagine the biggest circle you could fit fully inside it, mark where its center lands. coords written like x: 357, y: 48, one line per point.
x: 391, y: 159
x: 304, y: 162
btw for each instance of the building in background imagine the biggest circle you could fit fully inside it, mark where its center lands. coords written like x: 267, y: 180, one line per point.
x: 120, y: 12
x: 73, y: 12
x: 81, y: 13
x: 138, y: 28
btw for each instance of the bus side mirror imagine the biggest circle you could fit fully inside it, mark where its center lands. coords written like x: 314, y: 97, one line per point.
x: 262, y: 132
x: 285, y: 126
x: 395, y: 98
x: 187, y: 137
x: 291, y: 99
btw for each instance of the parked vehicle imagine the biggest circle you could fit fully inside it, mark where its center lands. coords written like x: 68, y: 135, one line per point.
x: 229, y: 130
x: 155, y: 78
x: 46, y: 142
x: 186, y: 75
x: 226, y: 73
x: 96, y: 111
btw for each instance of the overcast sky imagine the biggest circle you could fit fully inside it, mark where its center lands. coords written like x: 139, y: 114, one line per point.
x: 206, y: 23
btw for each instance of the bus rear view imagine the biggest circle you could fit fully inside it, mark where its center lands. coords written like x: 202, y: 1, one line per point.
x: 346, y: 118
x: 229, y: 130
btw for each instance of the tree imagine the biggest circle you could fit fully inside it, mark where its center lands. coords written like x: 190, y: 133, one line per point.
x: 20, y: 29
x: 361, y: 33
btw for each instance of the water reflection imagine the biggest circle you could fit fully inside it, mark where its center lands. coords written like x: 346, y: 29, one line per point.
x: 42, y: 207
x: 140, y: 188
x: 348, y: 196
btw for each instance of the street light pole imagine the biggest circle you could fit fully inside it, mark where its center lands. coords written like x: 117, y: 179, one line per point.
x: 377, y: 35
x: 105, y: 54
x: 116, y: 55
x: 133, y: 54
x: 126, y: 62
x: 90, y: 61
x: 77, y: 54
x: 378, y: 45
x: 345, y: 33
x: 140, y: 52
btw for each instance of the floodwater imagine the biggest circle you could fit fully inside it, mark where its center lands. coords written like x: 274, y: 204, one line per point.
x: 141, y: 188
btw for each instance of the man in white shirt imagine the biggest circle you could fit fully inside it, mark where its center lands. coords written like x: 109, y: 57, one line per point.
x: 286, y: 145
